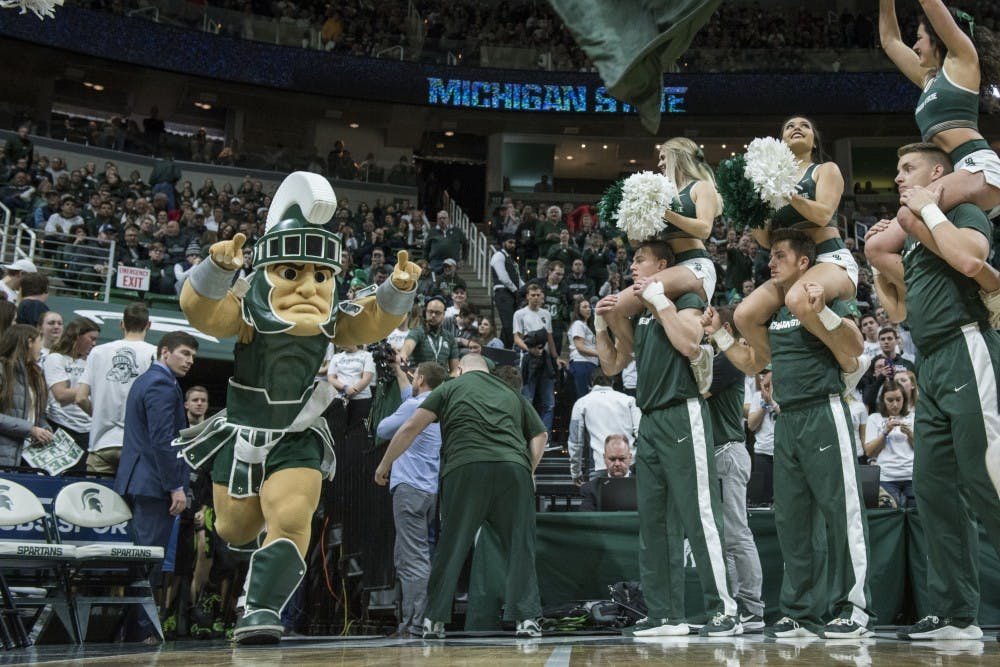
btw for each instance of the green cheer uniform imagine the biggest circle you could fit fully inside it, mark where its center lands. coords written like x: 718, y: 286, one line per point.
x: 815, y: 477
x: 485, y: 478
x: 683, y: 205
x: 675, y: 476
x: 787, y: 216
x: 956, y: 421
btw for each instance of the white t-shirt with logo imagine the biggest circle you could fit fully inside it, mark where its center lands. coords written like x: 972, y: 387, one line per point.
x: 111, y: 370
x: 580, y: 330
x: 62, y: 368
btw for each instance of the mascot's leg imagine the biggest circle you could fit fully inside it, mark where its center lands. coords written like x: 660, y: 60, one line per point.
x: 237, y: 520
x: 288, y: 499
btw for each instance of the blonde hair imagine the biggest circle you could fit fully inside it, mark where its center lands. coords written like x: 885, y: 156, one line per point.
x: 688, y: 164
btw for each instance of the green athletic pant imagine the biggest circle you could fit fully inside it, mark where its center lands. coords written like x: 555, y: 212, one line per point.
x: 676, y: 481
x: 815, y: 480
x: 956, y: 421
x: 503, y: 495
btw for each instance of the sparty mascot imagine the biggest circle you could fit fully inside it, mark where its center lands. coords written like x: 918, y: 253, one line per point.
x: 271, y: 448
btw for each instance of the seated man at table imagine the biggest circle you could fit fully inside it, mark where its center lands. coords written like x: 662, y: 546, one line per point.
x: 618, y: 464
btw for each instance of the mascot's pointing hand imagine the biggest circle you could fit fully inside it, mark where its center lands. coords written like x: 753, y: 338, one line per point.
x: 404, y: 276
x: 228, y: 254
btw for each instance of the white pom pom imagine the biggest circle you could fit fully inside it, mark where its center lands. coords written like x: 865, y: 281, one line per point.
x: 41, y: 8
x: 773, y: 169
x: 646, y: 196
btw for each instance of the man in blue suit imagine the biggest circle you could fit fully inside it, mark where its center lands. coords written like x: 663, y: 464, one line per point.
x: 150, y: 475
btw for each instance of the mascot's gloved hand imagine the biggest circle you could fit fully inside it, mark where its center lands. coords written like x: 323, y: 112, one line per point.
x: 405, y: 274
x: 228, y: 254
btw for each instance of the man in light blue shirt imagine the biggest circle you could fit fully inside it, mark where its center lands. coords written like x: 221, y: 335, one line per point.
x: 413, y: 484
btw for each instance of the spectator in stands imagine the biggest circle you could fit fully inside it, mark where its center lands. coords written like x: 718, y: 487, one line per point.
x: 63, y: 367
x: 110, y: 371
x: 761, y: 411
x: 153, y: 129
x: 578, y: 285
x: 617, y: 458
x: 613, y: 285
x: 595, y: 417
x: 7, y: 313
x: 543, y: 184
x: 130, y: 252
x: 151, y: 477
x: 18, y: 194
x: 20, y: 147
x: 161, y: 278
x: 582, y: 346
x: 34, y: 294
x: 182, y: 269
x: 486, y: 336
x: 431, y: 342
x: 13, y: 276
x: 506, y: 284
x: 445, y: 242
x: 565, y: 251
x: 547, y: 234
x: 869, y: 329
x: 557, y: 301
x: 539, y: 359
x: 175, y: 241
x: 527, y: 239
x: 51, y: 326
x: 739, y: 266
x: 164, y: 177
x: 890, y: 443
x: 65, y: 219
x: 196, y: 404
x: 413, y: 484
x: 447, y: 279
x: 22, y: 393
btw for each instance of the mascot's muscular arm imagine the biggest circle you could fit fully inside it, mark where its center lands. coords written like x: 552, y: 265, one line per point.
x: 380, y: 313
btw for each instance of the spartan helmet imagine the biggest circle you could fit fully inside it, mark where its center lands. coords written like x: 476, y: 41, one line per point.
x: 91, y: 499
x: 294, y: 235
x: 5, y: 501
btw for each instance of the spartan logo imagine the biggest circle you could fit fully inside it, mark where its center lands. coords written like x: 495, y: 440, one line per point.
x: 970, y: 162
x: 91, y: 500
x: 124, y: 368
x: 5, y: 502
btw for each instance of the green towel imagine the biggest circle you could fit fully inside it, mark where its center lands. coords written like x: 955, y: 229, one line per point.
x: 632, y: 41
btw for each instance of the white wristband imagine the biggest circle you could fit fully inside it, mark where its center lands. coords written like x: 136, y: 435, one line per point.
x: 723, y: 339
x: 933, y: 216
x: 654, y: 295
x: 830, y: 319
x: 599, y: 324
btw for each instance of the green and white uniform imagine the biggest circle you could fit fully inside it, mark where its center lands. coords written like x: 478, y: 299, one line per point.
x: 485, y: 478
x: 675, y: 475
x: 815, y: 477
x: 957, y: 418
x: 697, y: 260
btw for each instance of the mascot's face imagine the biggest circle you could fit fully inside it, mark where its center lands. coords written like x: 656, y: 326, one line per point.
x: 301, y: 294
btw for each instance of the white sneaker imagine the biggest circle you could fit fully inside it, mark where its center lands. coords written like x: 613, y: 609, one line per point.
x: 528, y: 629
x: 992, y: 302
x: 433, y: 629
x: 852, y: 378
x: 702, y: 368
x: 665, y: 630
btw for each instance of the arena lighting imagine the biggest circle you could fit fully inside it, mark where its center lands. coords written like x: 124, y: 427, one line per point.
x: 88, y: 84
x: 98, y: 87
x: 569, y: 157
x: 439, y: 145
x: 449, y: 133
x: 583, y: 145
x: 723, y: 145
x: 353, y: 126
x: 632, y: 161
x: 204, y: 106
x: 605, y: 147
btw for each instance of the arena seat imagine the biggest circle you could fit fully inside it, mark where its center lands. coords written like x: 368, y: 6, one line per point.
x: 100, y: 569
x: 33, y: 570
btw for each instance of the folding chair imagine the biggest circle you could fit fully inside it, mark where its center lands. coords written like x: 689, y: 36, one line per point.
x: 106, y: 566
x: 30, y: 563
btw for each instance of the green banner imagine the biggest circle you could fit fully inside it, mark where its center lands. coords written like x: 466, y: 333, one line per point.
x: 578, y: 555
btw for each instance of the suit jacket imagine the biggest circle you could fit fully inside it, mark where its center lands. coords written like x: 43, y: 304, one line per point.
x: 588, y: 491
x: 154, y: 415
